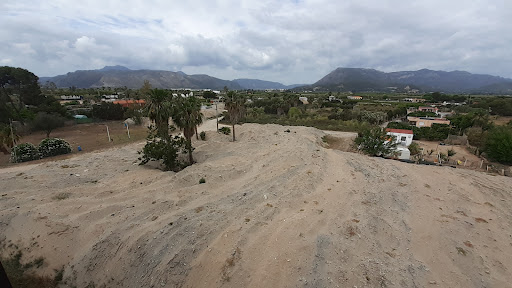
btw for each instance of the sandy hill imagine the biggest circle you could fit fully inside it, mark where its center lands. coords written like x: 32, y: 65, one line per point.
x: 277, y: 210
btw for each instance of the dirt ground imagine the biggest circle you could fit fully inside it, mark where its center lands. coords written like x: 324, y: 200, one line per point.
x: 90, y: 137
x: 278, y: 209
x: 501, y: 120
x: 462, y: 154
x: 93, y: 137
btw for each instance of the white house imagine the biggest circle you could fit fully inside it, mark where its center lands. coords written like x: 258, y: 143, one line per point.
x: 403, y: 136
x: 304, y: 100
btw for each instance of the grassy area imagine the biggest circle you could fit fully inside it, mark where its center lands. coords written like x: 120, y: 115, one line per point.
x: 322, y: 123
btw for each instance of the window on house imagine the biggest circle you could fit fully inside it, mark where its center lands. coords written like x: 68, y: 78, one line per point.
x: 403, y: 138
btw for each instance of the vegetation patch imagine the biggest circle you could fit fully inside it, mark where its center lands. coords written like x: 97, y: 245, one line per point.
x: 61, y: 196
x: 24, y: 152
x: 53, y: 147
x: 24, y: 274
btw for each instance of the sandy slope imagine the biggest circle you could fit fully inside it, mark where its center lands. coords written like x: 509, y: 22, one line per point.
x: 277, y: 210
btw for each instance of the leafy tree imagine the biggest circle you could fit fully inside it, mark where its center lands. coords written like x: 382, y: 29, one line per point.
x: 108, y: 111
x: 159, y: 108
x: 145, y: 90
x: 187, y: 116
x: 18, y: 87
x: 375, y: 142
x: 209, y: 95
x: 235, y: 104
x: 47, y: 122
x: 135, y: 113
x: 477, y: 137
x: 499, y: 144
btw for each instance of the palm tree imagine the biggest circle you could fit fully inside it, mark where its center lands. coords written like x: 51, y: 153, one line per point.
x: 235, y: 104
x: 159, y: 108
x: 187, y: 116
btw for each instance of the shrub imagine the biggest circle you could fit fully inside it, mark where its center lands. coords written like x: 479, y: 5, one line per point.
x: 375, y: 142
x: 202, y: 181
x: 163, y: 149
x: 451, y: 152
x: 414, y: 148
x: 135, y: 114
x: 225, y: 130
x: 202, y: 135
x: 24, y: 152
x: 499, y: 144
x: 53, y: 147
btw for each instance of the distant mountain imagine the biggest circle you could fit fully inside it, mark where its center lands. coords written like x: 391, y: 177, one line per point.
x: 360, y: 79
x: 256, y: 84
x: 119, y: 76
x: 114, y: 68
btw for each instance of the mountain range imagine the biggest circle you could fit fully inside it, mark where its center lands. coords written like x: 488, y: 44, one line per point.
x: 341, y: 79
x: 120, y: 76
x: 360, y: 79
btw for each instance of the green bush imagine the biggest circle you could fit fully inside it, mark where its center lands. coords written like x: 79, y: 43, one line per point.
x: 499, y: 144
x: 163, y: 149
x: 24, y: 152
x: 202, y: 181
x: 414, y: 148
x: 375, y: 142
x: 53, y: 147
x: 108, y: 111
x: 202, y: 135
x: 225, y: 130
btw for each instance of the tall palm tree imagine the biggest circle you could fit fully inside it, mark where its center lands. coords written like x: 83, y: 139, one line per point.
x: 159, y: 108
x: 235, y: 104
x: 187, y: 116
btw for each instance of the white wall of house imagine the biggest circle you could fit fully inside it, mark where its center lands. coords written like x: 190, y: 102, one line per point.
x: 402, y: 138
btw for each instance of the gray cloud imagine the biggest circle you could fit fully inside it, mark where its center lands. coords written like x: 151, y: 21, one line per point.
x: 286, y: 41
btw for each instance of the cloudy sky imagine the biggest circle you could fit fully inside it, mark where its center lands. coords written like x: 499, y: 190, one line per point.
x: 289, y: 41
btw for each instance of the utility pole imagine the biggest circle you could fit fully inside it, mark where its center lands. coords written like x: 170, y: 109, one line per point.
x: 13, y: 140
x: 127, y: 129
x: 217, y: 115
x: 108, y: 133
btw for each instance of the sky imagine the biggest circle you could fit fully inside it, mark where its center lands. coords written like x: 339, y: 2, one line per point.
x: 288, y: 41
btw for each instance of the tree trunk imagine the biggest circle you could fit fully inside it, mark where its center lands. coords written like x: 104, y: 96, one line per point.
x: 189, y: 148
x: 48, y: 133
x: 233, y: 132
x: 197, y: 135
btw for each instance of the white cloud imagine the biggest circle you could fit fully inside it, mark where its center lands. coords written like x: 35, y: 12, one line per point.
x: 286, y: 41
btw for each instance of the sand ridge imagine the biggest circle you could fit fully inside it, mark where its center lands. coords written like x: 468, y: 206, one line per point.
x: 278, y: 209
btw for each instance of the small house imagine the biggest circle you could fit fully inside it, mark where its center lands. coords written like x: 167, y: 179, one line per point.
x: 403, y: 136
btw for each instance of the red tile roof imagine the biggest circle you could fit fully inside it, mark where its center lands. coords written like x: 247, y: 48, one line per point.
x: 402, y: 131
x: 126, y: 103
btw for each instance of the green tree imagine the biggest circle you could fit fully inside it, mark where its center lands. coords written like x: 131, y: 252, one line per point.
x: 47, y: 122
x: 499, y: 144
x: 159, y: 108
x: 18, y: 88
x: 145, y: 90
x: 187, y: 116
x: 375, y: 142
x: 235, y: 104
x: 108, y: 111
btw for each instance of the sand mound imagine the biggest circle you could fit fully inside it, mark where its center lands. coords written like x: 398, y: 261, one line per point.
x: 277, y: 210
